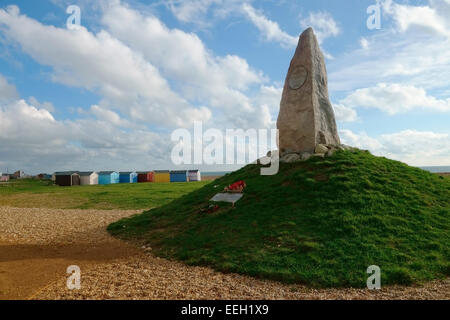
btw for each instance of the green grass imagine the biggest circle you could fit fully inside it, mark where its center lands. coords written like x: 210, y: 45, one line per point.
x: 321, y: 223
x: 44, y: 194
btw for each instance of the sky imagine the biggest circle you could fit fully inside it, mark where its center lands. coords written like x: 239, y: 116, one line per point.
x: 108, y: 94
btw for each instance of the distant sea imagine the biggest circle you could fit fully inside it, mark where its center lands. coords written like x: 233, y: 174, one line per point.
x: 437, y: 169
x: 215, y: 173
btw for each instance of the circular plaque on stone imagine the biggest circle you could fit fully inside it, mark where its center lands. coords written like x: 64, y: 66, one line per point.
x: 298, y: 78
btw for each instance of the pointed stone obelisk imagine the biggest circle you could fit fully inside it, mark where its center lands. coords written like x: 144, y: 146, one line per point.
x: 306, y: 116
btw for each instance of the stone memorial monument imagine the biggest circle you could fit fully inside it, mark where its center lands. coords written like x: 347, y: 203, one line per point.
x: 306, y: 121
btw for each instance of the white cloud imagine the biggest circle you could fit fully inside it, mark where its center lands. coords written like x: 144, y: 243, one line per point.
x: 270, y: 96
x: 395, y: 98
x: 364, y: 43
x: 218, y: 82
x: 344, y: 114
x: 417, y: 56
x: 417, y: 60
x: 270, y: 30
x: 323, y: 24
x: 417, y: 148
x: 99, y: 63
x: 195, y: 11
x: 7, y: 90
x: 204, y: 13
x: 109, y: 116
x: 413, y: 141
x: 429, y: 18
x: 192, y: 11
x: 45, y: 105
x: 360, y: 140
x: 31, y: 139
x: 146, y: 74
x: 149, y: 74
x: 130, y: 65
x: 25, y: 125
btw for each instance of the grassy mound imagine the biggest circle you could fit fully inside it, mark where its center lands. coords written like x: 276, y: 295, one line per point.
x: 320, y: 222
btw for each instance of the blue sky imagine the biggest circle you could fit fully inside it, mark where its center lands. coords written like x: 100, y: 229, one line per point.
x: 108, y: 95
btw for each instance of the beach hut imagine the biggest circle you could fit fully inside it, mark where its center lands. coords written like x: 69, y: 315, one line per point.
x: 144, y: 176
x: 194, y: 175
x: 18, y: 174
x: 67, y: 178
x: 108, y: 177
x: 88, y: 178
x: 43, y: 176
x: 178, y: 176
x: 128, y: 177
x: 161, y: 176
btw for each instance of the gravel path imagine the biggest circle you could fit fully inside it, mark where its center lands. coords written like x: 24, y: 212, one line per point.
x: 37, y: 245
x: 57, y: 226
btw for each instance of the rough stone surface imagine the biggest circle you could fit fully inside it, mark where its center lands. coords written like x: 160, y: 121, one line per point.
x: 271, y: 156
x: 305, y: 156
x: 306, y: 117
x: 320, y: 148
x: 320, y: 155
x: 291, y: 158
x: 323, y: 151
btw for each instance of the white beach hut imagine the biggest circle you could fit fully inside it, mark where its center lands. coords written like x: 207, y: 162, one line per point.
x: 194, y: 175
x: 88, y: 178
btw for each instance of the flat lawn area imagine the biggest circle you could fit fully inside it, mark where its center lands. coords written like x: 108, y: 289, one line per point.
x: 43, y: 194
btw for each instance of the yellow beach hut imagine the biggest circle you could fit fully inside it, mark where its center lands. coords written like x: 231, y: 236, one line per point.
x: 161, y: 176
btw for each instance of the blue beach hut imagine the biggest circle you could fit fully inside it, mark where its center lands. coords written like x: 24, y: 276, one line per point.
x: 108, y: 177
x: 178, y: 176
x: 128, y: 177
